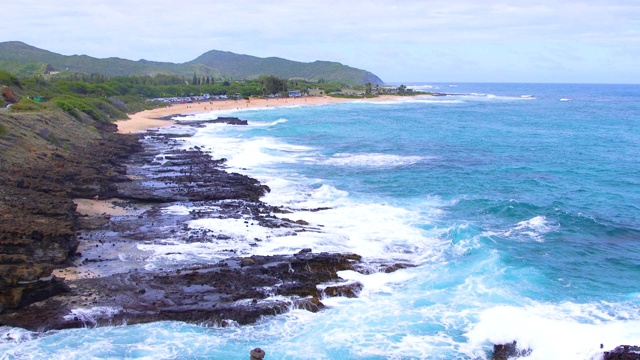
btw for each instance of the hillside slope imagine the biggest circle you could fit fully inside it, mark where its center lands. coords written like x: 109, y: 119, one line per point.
x: 246, y: 66
x: 13, y: 52
x: 25, y: 60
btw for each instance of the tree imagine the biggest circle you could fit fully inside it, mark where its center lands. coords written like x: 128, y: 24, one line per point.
x: 402, y: 89
x: 367, y: 88
x: 194, y: 81
x: 273, y: 84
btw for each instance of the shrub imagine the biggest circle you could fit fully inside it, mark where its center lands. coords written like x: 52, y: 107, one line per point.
x: 107, y: 108
x: 8, y: 79
x: 72, y: 105
x: 26, y: 104
x: 99, y: 109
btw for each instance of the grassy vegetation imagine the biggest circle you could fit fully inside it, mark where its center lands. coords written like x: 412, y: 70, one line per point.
x: 26, y: 104
x: 3, y: 131
x: 8, y: 79
x: 23, y: 69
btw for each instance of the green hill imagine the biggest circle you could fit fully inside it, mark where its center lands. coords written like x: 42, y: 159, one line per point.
x: 13, y: 52
x: 24, y: 60
x: 248, y: 67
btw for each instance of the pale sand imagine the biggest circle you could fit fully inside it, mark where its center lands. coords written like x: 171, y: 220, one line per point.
x: 147, y: 119
x: 108, y: 253
x: 109, y: 207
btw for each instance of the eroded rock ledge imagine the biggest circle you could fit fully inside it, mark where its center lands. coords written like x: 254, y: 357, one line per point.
x: 235, y: 290
x: 46, y: 159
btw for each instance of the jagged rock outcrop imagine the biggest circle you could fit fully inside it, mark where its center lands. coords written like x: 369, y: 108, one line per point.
x: 508, y: 351
x: 237, y: 290
x: 185, y: 175
x: 623, y: 352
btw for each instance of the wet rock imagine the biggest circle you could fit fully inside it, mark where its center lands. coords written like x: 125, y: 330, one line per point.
x: 623, y: 352
x: 236, y: 289
x: 350, y: 290
x: 508, y: 351
x: 185, y: 175
x: 220, y: 120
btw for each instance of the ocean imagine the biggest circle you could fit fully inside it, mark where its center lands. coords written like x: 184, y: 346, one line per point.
x: 517, y: 204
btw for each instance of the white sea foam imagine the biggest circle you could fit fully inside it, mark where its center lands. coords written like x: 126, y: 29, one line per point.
x: 422, y: 87
x: 374, y: 230
x: 10, y: 334
x: 492, y: 97
x: 207, y: 249
x: 249, y: 153
x: 564, y: 331
x: 91, y: 315
x: 371, y: 160
x: 534, y: 228
x: 427, y: 99
x: 267, y: 124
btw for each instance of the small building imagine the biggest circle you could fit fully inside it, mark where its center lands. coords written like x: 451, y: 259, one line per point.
x: 294, y: 93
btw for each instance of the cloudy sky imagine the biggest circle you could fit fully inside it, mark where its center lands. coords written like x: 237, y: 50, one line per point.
x: 589, y: 41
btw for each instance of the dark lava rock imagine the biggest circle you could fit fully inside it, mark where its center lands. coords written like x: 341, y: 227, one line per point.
x: 236, y: 290
x: 184, y: 175
x: 220, y: 120
x: 623, y: 352
x: 350, y: 290
x: 508, y: 351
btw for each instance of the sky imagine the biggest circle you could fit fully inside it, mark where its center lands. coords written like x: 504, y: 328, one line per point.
x: 539, y: 41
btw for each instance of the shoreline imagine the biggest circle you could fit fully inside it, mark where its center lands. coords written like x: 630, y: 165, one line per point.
x: 148, y: 119
x: 126, y: 284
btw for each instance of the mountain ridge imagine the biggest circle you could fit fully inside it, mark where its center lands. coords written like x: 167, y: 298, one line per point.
x: 25, y: 60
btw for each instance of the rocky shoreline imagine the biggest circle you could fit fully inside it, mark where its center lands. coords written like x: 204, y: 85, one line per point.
x: 109, y: 282
x: 61, y: 269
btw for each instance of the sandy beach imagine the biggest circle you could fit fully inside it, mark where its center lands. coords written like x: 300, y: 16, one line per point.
x: 147, y: 119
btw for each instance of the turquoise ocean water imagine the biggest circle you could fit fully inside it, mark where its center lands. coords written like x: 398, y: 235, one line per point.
x: 519, y: 204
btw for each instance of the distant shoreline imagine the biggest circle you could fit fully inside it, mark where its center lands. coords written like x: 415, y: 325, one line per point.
x: 147, y: 119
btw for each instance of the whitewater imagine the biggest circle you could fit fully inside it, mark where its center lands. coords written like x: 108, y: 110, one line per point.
x: 516, y: 205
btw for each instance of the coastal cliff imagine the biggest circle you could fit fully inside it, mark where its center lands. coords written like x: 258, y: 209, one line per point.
x: 47, y: 159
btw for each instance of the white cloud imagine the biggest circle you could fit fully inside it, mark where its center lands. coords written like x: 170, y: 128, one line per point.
x: 396, y: 40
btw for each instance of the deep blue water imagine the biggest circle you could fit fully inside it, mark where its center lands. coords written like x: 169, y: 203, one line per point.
x: 521, y: 214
